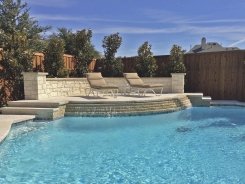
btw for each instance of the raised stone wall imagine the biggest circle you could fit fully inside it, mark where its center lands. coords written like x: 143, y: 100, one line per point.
x: 77, y: 86
x: 178, y: 82
x: 37, y: 86
x: 122, y: 84
x: 66, y: 86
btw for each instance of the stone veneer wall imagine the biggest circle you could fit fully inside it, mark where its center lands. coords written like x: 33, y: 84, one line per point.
x: 77, y: 86
x: 178, y: 82
x: 66, y: 86
x: 122, y: 84
x: 37, y: 86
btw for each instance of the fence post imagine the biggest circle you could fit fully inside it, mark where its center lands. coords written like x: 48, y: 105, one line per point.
x: 178, y: 82
x: 35, y: 85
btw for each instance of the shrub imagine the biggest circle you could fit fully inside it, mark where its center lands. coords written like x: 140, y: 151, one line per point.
x: 83, y: 52
x: 146, y: 64
x: 53, y: 57
x: 176, y: 64
x: 112, y: 66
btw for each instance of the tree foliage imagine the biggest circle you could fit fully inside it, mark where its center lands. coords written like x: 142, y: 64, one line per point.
x: 176, y: 59
x: 83, y: 51
x: 19, y: 39
x: 53, y: 57
x: 112, y: 66
x: 146, y: 64
x: 69, y: 40
x: 79, y: 45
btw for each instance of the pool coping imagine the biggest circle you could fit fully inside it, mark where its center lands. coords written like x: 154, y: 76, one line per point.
x: 8, y: 120
x: 227, y: 103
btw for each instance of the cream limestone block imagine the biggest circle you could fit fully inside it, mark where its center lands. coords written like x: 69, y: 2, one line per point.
x: 178, y: 82
x: 60, y: 85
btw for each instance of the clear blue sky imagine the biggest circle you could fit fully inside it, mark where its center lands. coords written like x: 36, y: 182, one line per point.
x: 160, y: 22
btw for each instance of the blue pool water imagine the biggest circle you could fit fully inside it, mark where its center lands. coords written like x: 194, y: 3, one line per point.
x: 197, y: 145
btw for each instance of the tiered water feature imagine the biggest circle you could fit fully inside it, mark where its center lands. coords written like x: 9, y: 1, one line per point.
x: 118, y: 108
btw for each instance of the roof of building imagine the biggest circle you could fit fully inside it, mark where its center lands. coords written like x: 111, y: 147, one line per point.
x: 209, y: 47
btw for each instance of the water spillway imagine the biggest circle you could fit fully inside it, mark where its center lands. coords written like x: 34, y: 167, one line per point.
x: 127, y: 108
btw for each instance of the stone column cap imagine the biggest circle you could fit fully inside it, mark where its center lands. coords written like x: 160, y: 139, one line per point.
x: 34, y: 73
x: 178, y: 73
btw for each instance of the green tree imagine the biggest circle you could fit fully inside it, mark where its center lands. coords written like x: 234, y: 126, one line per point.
x: 79, y: 45
x: 84, y: 51
x: 112, y: 66
x: 176, y: 58
x: 69, y: 40
x: 53, y: 57
x: 19, y: 39
x: 146, y: 64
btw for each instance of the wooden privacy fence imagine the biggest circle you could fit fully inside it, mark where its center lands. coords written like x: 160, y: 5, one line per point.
x: 69, y: 62
x: 129, y: 64
x: 220, y: 75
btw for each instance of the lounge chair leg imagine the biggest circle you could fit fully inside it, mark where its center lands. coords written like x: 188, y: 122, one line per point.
x: 87, y: 94
x: 112, y: 94
x: 115, y: 94
x: 153, y: 91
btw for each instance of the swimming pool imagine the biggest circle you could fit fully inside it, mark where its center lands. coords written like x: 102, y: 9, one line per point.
x: 196, y: 145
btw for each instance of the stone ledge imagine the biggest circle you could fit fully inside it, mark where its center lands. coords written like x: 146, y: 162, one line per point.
x: 65, y: 79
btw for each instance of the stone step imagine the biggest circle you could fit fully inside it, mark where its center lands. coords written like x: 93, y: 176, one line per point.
x: 118, y: 107
x: 147, y: 111
x: 130, y: 104
x: 35, y: 104
x: 40, y: 113
x: 119, y: 110
x: 126, y: 108
x: 122, y: 112
x: 121, y: 107
x: 199, y: 100
x: 206, y: 101
x: 131, y: 101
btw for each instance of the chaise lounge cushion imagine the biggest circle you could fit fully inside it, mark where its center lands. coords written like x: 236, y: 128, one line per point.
x: 91, y: 76
x: 135, y: 81
x: 131, y: 76
x: 97, y: 81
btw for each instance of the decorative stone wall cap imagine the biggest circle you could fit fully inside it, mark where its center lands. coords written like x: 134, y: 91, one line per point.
x: 66, y: 79
x: 178, y: 74
x: 107, y: 78
x: 34, y: 73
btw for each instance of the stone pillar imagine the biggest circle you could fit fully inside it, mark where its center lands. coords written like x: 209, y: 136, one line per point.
x: 178, y: 82
x: 35, y: 85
